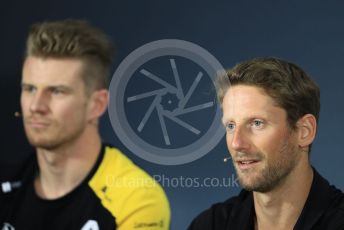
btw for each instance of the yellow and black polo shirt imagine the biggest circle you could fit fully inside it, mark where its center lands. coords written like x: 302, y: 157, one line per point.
x: 115, y: 195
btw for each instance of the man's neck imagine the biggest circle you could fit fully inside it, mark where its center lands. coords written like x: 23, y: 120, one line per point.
x: 64, y: 168
x: 281, y: 208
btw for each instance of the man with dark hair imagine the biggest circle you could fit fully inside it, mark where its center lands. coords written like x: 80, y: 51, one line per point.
x: 74, y: 181
x: 270, y: 111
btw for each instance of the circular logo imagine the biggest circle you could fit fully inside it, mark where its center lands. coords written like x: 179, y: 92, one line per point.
x: 163, y: 102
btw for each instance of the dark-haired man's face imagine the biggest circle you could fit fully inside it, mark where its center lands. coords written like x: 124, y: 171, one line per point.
x: 263, y: 148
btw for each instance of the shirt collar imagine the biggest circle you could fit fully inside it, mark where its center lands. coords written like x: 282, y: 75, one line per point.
x: 319, y: 198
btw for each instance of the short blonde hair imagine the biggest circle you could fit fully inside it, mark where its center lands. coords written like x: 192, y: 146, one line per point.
x: 74, y: 39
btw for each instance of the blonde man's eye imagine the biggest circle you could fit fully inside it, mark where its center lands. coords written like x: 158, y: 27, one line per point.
x: 29, y: 89
x: 57, y: 91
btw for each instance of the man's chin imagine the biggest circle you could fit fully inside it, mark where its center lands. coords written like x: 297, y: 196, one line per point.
x: 250, y: 182
x: 256, y: 185
x: 252, y: 187
x: 43, y: 144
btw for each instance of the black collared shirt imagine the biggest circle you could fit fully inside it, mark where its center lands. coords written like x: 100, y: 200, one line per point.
x: 323, y: 210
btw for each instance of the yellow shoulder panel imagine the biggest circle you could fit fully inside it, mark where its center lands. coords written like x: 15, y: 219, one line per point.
x: 133, y: 197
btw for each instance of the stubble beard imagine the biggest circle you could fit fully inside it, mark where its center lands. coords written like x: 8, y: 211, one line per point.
x: 273, y: 174
x: 54, y: 140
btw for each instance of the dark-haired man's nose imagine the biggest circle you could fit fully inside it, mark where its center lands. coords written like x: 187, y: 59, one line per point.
x: 238, y: 140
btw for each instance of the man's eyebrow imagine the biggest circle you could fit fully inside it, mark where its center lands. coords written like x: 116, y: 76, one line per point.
x: 225, y: 120
x: 25, y: 84
x: 250, y: 118
x: 64, y: 87
x: 59, y: 86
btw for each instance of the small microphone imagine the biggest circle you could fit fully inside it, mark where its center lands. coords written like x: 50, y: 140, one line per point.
x: 226, y: 159
x: 8, y: 186
x: 17, y: 114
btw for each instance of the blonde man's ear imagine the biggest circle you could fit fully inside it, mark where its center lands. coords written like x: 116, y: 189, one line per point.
x: 98, y: 104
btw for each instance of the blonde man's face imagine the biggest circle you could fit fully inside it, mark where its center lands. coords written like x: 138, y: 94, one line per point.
x: 53, y: 101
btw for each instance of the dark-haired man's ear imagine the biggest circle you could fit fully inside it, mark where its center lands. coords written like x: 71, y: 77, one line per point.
x: 307, y: 127
x: 98, y: 104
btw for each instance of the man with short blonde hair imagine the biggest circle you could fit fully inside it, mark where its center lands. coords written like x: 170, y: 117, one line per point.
x: 65, y: 184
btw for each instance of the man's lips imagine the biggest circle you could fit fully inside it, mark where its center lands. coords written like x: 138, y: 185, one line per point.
x: 37, y: 124
x: 246, y: 163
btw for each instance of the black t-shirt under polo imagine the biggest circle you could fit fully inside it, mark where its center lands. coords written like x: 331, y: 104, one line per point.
x: 79, y: 209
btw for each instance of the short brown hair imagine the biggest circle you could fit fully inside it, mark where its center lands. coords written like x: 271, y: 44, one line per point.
x: 74, y: 39
x: 290, y: 87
